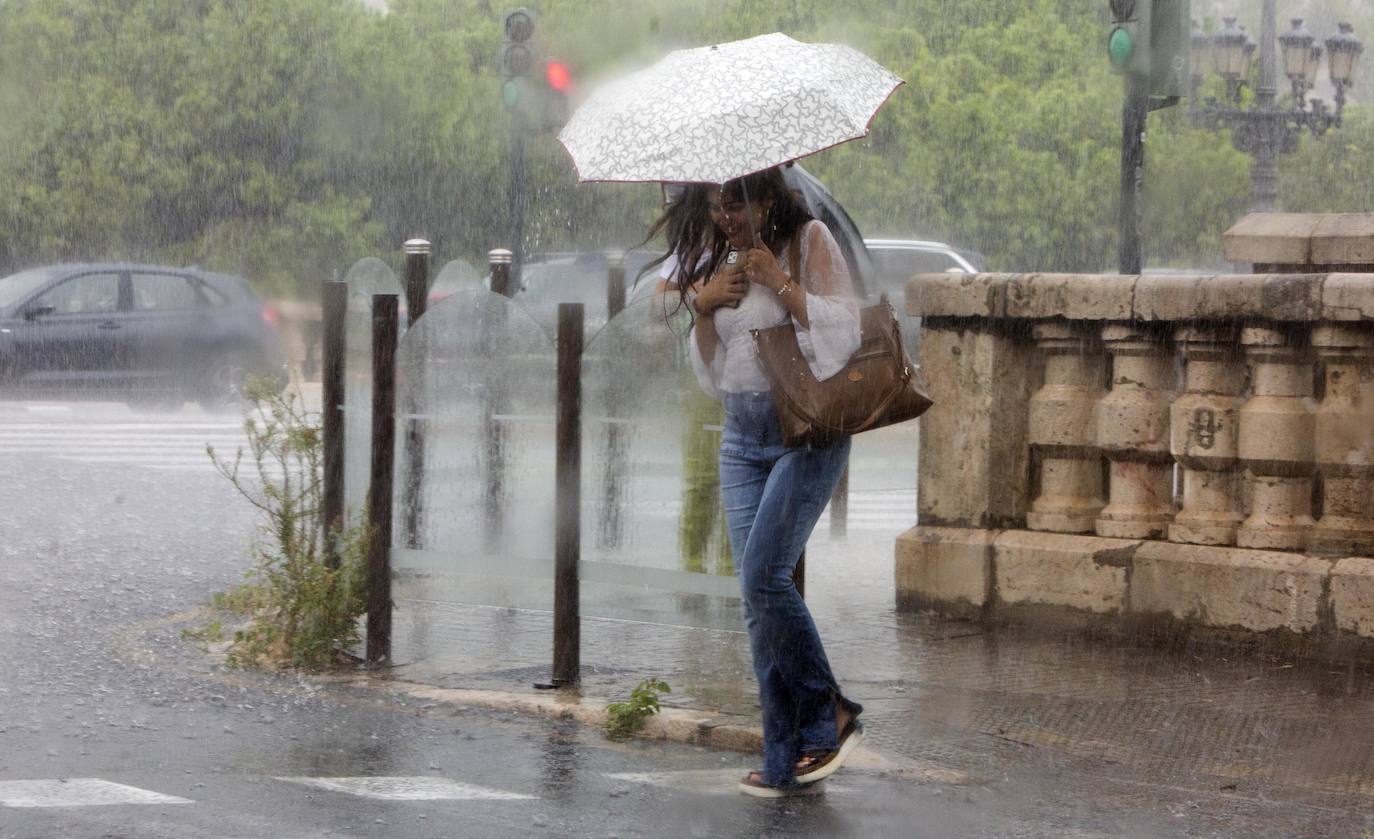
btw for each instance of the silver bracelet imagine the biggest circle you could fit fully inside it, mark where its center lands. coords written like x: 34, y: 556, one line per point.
x: 785, y: 288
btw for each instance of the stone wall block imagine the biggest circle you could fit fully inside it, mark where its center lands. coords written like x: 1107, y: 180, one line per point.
x: 1344, y: 439
x: 974, y: 459
x: 1204, y: 435
x: 1276, y: 447
x: 1275, y: 238
x: 1133, y: 433
x: 1259, y: 591
x: 962, y: 295
x: 1347, y: 297
x: 1344, y: 239
x: 1053, y: 569
x: 1062, y: 429
x: 1071, y: 296
x: 947, y: 568
x: 1352, y: 595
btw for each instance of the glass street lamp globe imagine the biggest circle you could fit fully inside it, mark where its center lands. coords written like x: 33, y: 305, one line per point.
x: 1297, y: 50
x: 1314, y: 63
x: 1344, y: 50
x: 1197, y: 51
x: 1228, y: 50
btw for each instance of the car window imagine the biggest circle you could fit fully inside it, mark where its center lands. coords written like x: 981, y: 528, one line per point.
x: 83, y: 295
x: 896, y: 266
x: 163, y: 292
x: 17, y: 286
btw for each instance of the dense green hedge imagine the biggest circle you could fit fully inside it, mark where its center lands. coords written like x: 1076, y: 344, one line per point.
x: 283, y: 140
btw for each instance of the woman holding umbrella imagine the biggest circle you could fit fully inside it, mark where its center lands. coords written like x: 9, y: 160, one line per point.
x: 786, y: 265
x: 690, y: 119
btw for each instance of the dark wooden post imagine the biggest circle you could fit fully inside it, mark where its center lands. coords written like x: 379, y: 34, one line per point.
x: 384, y: 329
x: 568, y: 501
x: 335, y: 313
x: 417, y: 301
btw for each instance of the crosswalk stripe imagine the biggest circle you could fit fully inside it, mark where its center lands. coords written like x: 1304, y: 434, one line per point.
x: 78, y: 792
x: 410, y: 789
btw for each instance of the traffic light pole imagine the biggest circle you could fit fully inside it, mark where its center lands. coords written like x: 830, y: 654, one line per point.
x: 1133, y: 116
x: 517, y: 196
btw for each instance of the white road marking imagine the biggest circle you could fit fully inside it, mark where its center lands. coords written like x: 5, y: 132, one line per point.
x: 410, y: 789
x: 78, y: 792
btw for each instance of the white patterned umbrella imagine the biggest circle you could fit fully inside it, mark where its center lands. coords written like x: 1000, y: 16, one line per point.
x: 717, y: 113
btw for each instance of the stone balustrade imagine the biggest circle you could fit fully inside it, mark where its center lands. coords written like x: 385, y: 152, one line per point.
x: 1194, y: 447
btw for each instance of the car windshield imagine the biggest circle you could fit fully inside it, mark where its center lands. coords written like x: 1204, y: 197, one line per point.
x: 897, y: 265
x: 18, y: 286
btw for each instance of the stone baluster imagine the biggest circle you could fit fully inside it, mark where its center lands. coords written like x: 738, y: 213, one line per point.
x: 1345, y: 440
x: 1133, y: 432
x: 1277, y: 425
x: 1203, y: 434
x: 1062, y: 429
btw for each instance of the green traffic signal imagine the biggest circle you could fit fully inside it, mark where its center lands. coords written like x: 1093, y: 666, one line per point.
x: 1120, y: 47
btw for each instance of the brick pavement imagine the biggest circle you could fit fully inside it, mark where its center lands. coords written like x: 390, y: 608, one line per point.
x: 985, y: 705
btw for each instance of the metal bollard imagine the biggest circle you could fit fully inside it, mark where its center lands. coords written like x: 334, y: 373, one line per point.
x: 384, y: 335
x: 499, y: 261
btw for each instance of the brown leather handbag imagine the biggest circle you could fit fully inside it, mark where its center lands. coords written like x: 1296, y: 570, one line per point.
x: 878, y: 386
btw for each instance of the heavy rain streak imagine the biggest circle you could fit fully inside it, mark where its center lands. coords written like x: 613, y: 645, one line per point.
x: 393, y: 446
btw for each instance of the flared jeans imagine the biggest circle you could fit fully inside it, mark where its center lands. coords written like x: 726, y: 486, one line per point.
x: 773, y: 497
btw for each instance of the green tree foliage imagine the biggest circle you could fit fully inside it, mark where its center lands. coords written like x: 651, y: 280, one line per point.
x: 284, y: 140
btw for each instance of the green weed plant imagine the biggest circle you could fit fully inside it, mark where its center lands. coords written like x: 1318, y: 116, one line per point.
x: 625, y: 718
x: 303, y: 608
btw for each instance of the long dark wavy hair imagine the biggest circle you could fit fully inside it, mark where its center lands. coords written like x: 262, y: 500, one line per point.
x: 686, y: 223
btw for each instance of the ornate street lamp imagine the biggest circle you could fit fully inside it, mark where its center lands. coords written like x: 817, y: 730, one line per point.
x: 1344, y: 50
x: 1297, y: 55
x: 1199, y: 45
x: 1264, y: 130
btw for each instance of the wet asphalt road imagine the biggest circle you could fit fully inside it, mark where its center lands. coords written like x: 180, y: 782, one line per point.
x: 112, y: 533
x: 115, y: 526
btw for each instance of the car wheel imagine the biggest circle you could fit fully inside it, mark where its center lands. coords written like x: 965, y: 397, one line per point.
x: 221, y: 385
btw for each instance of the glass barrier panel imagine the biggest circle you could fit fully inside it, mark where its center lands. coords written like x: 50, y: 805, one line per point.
x: 654, y: 543
x: 475, y: 439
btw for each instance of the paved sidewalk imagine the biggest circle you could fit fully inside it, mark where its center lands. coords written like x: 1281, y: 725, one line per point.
x: 949, y: 702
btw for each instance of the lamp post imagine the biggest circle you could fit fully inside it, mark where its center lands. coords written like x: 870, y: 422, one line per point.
x: 1266, y: 129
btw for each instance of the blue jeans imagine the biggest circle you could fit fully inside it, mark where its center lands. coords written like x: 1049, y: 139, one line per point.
x: 773, y: 497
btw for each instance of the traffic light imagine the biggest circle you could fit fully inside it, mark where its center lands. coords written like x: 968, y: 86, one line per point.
x: 558, y: 84
x: 1150, y: 39
x: 517, y: 57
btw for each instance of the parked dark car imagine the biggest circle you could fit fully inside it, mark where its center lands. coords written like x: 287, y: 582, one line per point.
x: 150, y: 334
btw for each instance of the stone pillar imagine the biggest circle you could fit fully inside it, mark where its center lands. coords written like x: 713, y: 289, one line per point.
x: 1063, y: 429
x: 1203, y: 436
x: 1133, y: 432
x: 1345, y: 440
x: 1277, y: 425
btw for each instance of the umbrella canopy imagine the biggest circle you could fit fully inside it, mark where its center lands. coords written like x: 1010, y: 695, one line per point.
x: 716, y: 113
x: 822, y: 205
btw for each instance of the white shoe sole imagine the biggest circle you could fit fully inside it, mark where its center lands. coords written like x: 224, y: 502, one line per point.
x: 779, y: 792
x: 846, y: 749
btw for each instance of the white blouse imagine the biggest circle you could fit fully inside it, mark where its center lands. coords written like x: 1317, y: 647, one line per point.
x: 831, y: 308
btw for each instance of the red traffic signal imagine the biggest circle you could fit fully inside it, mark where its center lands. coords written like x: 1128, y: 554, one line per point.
x: 558, y: 76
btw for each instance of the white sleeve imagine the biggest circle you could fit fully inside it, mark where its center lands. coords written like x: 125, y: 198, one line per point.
x: 831, y: 307
x: 708, y: 375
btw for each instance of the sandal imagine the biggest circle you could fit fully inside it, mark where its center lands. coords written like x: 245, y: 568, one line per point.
x: 753, y: 784
x: 817, y: 766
